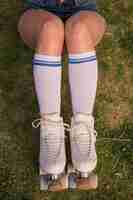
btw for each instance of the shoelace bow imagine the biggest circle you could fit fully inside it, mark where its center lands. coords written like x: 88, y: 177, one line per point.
x: 54, y: 141
x: 37, y: 123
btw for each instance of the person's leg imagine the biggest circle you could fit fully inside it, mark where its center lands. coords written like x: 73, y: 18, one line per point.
x: 44, y: 32
x: 83, y: 32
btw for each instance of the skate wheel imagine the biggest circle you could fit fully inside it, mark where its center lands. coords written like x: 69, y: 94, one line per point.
x: 87, y: 183
x: 44, y: 183
x: 47, y: 184
x: 72, y: 181
x: 59, y: 185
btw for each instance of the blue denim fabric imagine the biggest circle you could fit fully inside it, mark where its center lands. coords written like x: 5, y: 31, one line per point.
x: 64, y: 10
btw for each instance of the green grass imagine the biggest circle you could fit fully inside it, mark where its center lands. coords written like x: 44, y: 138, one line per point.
x: 19, y: 143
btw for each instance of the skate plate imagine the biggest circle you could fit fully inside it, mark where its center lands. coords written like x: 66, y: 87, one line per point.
x: 47, y: 184
x: 79, y: 183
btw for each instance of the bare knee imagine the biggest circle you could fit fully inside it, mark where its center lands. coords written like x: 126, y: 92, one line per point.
x: 99, y: 24
x: 75, y: 30
x: 86, y: 27
x: 77, y: 35
x: 97, y: 27
x: 51, y: 37
x: 52, y: 30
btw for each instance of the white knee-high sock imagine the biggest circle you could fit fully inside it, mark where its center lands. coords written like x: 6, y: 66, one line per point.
x: 47, y: 79
x: 83, y: 81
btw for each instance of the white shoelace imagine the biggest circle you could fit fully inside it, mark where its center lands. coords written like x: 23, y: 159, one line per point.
x: 37, y: 122
x: 50, y: 136
x: 84, y: 138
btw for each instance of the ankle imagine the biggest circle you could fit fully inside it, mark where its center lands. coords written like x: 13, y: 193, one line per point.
x: 82, y: 114
x: 51, y: 116
x: 83, y: 117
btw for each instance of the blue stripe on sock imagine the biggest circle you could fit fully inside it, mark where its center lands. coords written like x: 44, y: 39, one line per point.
x: 46, y: 64
x: 46, y: 61
x: 74, y: 61
x: 82, y: 58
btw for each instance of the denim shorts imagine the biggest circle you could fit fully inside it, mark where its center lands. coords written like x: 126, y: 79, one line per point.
x: 64, y: 10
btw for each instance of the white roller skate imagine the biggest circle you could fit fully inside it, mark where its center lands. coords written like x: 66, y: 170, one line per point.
x: 52, y: 153
x: 83, y: 152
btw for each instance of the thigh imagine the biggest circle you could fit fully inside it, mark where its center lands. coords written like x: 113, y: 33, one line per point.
x: 94, y: 22
x: 30, y: 23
